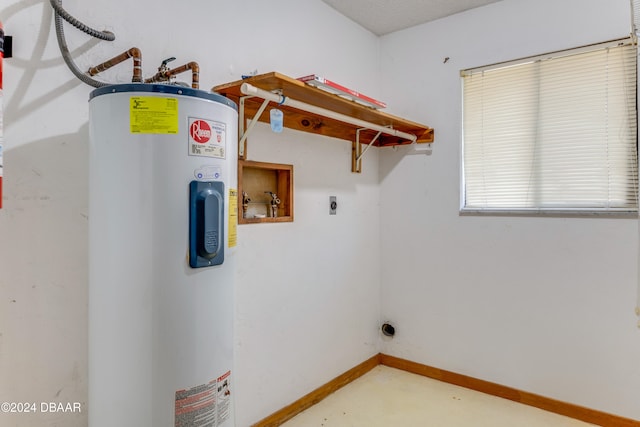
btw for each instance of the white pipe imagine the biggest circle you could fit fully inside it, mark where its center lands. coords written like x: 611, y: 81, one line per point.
x: 415, y: 150
x: 248, y: 89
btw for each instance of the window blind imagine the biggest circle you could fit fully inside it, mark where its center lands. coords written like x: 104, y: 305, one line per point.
x: 556, y: 133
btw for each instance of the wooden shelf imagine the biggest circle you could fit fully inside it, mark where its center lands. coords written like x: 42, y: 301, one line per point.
x: 308, y: 122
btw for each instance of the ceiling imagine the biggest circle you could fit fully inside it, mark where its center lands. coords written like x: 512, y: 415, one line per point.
x: 386, y: 16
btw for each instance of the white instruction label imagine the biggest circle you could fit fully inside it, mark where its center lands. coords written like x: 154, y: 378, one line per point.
x: 205, y: 405
x: 207, y: 138
x: 196, y: 407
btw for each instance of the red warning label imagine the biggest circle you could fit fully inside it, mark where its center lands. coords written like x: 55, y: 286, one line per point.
x: 200, y: 131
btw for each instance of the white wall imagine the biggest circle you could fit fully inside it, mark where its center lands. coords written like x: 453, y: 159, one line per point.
x: 541, y: 304
x: 307, y: 292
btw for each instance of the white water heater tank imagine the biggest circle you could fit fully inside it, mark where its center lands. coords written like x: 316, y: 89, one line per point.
x: 162, y: 234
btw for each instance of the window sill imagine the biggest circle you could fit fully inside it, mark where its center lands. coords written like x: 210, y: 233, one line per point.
x: 562, y: 213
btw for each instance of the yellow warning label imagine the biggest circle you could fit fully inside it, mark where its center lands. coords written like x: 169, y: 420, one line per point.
x: 233, y: 217
x: 152, y: 114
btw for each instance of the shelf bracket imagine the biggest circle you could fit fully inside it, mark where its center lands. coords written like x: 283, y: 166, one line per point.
x: 357, y: 152
x: 245, y: 133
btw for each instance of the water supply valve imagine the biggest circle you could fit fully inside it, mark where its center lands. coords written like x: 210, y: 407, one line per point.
x: 275, y: 201
x: 245, y: 203
x: 164, y: 72
x: 163, y: 68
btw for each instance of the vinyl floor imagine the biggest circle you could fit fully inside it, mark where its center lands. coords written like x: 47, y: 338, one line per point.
x: 388, y: 397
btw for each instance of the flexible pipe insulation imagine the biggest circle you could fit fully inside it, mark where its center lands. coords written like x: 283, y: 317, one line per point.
x: 60, y: 14
x: 104, y: 35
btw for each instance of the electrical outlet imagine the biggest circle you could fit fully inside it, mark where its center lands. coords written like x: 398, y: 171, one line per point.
x: 333, y: 205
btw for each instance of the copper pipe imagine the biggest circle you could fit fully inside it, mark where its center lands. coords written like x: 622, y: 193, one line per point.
x: 195, y: 73
x: 163, y: 76
x: 134, y: 53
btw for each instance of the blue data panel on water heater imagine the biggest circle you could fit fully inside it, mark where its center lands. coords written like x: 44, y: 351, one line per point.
x: 206, y: 223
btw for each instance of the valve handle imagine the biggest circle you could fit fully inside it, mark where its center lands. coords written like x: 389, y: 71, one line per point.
x: 166, y: 61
